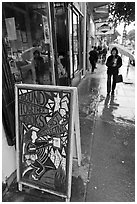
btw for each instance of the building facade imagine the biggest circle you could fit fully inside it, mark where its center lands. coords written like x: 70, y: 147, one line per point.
x: 63, y: 32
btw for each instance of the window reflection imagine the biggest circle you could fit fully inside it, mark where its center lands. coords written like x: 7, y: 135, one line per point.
x: 32, y: 32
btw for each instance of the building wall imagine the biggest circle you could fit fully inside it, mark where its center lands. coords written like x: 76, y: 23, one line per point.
x: 8, y: 158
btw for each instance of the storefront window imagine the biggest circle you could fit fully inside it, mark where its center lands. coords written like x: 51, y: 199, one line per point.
x: 26, y: 28
x: 62, y: 43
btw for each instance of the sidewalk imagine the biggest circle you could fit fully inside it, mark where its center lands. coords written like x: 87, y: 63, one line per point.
x: 110, y: 134
x: 107, y: 127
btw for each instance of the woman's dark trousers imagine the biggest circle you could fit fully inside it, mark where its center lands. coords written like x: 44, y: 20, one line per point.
x: 93, y: 64
x: 109, y: 82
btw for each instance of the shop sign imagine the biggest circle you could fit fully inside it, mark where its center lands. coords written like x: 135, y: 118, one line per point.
x: 47, y: 137
x: 104, y: 29
x: 11, y: 29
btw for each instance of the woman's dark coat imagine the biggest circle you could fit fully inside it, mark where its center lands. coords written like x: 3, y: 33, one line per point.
x: 109, y: 63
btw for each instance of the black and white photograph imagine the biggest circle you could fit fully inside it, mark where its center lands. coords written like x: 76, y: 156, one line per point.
x: 68, y: 101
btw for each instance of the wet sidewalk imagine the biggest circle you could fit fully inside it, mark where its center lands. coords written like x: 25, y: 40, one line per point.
x: 107, y: 127
x: 110, y: 146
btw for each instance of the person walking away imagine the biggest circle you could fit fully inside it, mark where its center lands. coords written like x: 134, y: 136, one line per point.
x: 96, y: 56
x: 104, y: 53
x: 38, y: 68
x: 99, y: 50
x: 114, y: 62
x: 93, y: 58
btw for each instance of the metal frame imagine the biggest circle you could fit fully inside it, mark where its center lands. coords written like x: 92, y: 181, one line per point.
x: 78, y: 14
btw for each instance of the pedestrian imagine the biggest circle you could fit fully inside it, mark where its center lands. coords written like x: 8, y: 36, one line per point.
x: 99, y: 50
x: 93, y: 57
x: 38, y: 68
x: 104, y: 53
x: 114, y: 62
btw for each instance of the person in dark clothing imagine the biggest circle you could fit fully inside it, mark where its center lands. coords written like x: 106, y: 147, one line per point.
x: 114, y: 62
x: 93, y: 58
x: 99, y: 50
x: 104, y: 53
x: 38, y: 67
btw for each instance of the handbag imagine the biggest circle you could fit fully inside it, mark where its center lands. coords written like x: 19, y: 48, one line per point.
x: 119, y: 78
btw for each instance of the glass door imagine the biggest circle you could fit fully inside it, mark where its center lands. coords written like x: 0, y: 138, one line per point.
x: 74, y: 42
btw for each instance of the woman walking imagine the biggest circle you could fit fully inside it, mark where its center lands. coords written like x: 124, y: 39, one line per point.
x: 114, y: 62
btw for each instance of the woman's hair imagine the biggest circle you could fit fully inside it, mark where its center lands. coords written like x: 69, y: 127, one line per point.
x: 36, y: 51
x: 114, y: 48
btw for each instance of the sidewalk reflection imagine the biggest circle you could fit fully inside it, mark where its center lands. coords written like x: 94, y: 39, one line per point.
x: 109, y: 107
